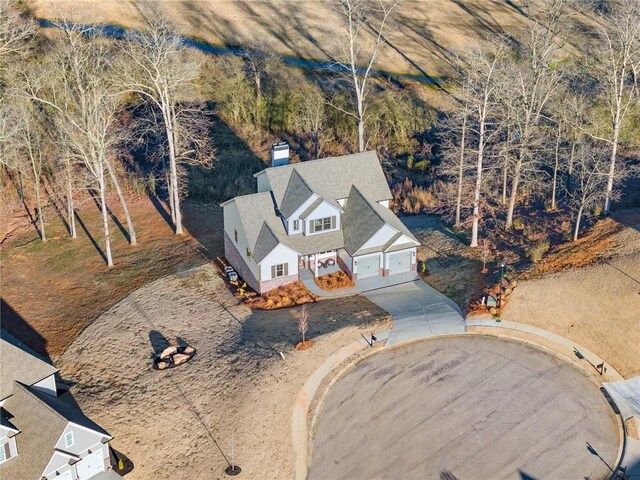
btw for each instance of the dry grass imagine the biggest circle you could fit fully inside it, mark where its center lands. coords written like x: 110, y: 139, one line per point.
x: 52, y: 291
x: 334, y: 281
x: 420, y: 42
x: 285, y: 296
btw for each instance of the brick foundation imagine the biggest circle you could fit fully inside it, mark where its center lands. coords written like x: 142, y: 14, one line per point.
x: 385, y: 272
x: 237, y: 262
x: 276, y: 282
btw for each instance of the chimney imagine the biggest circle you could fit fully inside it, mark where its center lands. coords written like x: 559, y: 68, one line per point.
x: 279, y: 154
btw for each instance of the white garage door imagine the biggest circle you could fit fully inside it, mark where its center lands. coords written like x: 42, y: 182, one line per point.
x: 68, y: 475
x: 399, y: 262
x: 368, y: 267
x: 90, y: 465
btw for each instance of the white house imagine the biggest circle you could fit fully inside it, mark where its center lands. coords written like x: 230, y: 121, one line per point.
x: 305, y: 213
x: 43, y: 434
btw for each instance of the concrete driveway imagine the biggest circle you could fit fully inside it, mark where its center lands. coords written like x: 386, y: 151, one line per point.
x: 418, y: 311
x: 465, y: 407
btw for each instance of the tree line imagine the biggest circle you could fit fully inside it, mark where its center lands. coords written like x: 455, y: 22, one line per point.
x: 533, y: 118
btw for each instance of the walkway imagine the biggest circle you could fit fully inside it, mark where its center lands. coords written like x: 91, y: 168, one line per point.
x: 418, y: 311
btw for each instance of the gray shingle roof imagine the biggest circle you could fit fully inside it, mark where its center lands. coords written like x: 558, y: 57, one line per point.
x: 363, y: 218
x: 333, y: 177
x: 266, y: 242
x: 295, y: 195
x: 41, y: 419
x: 20, y: 363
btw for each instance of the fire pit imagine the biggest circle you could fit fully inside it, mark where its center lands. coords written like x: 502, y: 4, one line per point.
x: 172, y: 357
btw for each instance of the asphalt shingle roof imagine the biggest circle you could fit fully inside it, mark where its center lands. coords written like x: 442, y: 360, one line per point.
x: 20, y: 363
x: 41, y: 419
x: 265, y: 242
x: 295, y: 195
x: 333, y: 177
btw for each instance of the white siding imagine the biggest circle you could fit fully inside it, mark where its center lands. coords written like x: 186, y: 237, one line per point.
x: 384, y: 203
x: 381, y: 237
x: 83, y: 441
x: 296, y: 215
x: 325, y: 209
x: 402, y: 240
x: 232, y: 222
x: 47, y: 385
x: 280, y: 254
x: 263, y: 182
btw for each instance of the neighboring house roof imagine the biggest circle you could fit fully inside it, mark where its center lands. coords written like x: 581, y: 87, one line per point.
x: 295, y: 195
x: 363, y: 218
x: 332, y: 177
x: 21, y: 363
x: 41, y: 419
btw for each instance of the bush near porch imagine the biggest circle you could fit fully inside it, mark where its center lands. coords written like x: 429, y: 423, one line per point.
x: 334, y: 281
x: 288, y: 295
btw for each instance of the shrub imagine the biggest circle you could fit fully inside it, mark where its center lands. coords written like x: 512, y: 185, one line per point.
x: 410, y: 160
x: 518, y: 224
x: 422, y: 165
x: 536, y: 251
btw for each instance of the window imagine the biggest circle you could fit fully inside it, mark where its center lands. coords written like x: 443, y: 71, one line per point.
x: 235, y: 235
x: 5, y: 452
x: 68, y: 439
x: 296, y: 225
x: 322, y: 224
x: 280, y: 270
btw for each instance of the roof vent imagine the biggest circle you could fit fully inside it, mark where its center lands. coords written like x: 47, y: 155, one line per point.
x: 279, y: 154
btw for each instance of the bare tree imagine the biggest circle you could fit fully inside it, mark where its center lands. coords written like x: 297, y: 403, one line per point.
x: 311, y: 118
x: 529, y: 87
x: 303, y: 321
x: 76, y: 87
x: 16, y: 33
x: 31, y: 143
x: 159, y: 71
x: 358, y: 53
x: 619, y: 73
x: 590, y: 175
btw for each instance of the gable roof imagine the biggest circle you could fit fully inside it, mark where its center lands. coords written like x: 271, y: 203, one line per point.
x: 332, y: 177
x: 295, y: 195
x: 363, y: 218
x: 265, y: 242
x: 21, y: 363
x: 41, y: 419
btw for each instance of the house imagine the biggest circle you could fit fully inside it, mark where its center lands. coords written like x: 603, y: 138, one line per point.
x: 43, y: 433
x: 305, y: 213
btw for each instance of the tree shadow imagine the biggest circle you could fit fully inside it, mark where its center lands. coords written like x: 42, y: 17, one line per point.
x: 161, y: 209
x: 447, y: 475
x: 524, y: 476
x: 55, y: 201
x: 16, y: 326
x: 115, y: 220
x: 90, y: 237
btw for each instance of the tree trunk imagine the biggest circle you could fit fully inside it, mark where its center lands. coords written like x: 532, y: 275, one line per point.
x: 476, y: 194
x: 461, y: 170
x: 578, y: 219
x: 555, y: 174
x: 70, y: 207
x: 612, y: 166
x: 123, y: 202
x: 172, y: 207
x: 505, y: 173
x: 105, y: 218
x: 572, y: 156
x: 316, y: 145
x: 514, y: 193
x: 173, y: 169
x: 43, y: 235
x: 360, y: 119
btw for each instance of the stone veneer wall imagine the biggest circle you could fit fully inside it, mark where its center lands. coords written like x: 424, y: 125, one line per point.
x: 237, y: 262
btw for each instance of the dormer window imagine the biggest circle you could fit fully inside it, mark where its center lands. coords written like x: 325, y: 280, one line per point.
x: 323, y: 224
x: 68, y: 439
x: 296, y: 225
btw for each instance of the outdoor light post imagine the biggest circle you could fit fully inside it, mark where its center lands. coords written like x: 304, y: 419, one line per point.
x: 503, y: 263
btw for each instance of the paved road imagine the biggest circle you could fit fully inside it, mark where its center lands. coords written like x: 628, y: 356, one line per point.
x: 465, y: 407
x: 418, y: 311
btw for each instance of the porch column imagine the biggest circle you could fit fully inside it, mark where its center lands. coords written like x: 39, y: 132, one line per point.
x: 315, y: 265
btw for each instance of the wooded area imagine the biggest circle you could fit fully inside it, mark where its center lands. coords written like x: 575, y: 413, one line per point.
x: 540, y: 120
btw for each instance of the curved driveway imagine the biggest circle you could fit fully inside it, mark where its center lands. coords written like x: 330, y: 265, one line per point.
x: 465, y: 407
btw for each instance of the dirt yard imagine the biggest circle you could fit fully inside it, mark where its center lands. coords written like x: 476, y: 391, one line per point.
x: 52, y: 290
x: 237, y: 389
x: 597, y: 306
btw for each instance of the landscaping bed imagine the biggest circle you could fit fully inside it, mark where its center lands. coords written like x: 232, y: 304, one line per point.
x: 334, y: 281
x: 285, y: 296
